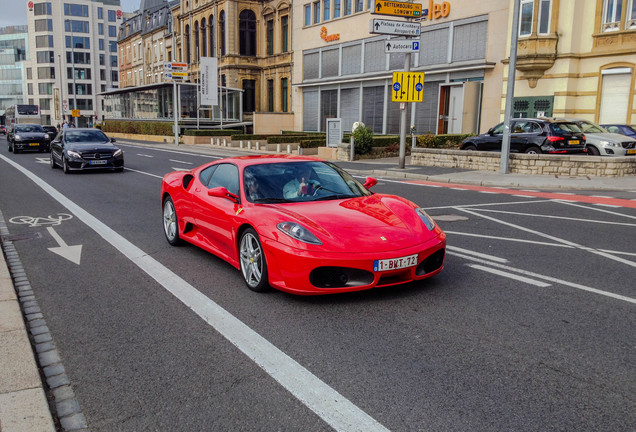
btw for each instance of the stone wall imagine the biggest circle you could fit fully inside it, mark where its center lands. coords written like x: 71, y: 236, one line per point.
x: 564, y: 165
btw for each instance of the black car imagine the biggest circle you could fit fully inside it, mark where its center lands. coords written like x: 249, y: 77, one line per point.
x: 532, y: 136
x: 3, y: 130
x: 85, y: 148
x: 28, y: 137
x: 51, y: 130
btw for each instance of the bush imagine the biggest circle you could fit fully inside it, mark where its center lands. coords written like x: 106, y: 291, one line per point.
x: 313, y: 143
x: 363, y: 140
x: 449, y: 141
x: 212, y: 132
x: 137, y: 127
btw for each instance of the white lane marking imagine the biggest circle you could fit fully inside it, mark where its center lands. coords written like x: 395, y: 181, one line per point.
x: 180, y: 169
x: 595, y: 209
x: 557, y: 217
x: 478, y: 254
x: 557, y: 239
x: 144, y: 155
x: 489, y: 192
x: 548, y: 278
x: 182, y: 162
x: 510, y: 275
x: 507, y: 239
x: 523, y: 196
x: 327, y: 403
x: 143, y: 172
x: 600, y: 196
x: 488, y: 204
x: 171, y: 151
x: 607, y: 205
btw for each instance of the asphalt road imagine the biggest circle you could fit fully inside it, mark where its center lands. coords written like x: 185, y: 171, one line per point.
x: 529, y: 327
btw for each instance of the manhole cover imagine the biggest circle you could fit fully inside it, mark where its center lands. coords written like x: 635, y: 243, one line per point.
x: 23, y: 236
x: 449, y: 218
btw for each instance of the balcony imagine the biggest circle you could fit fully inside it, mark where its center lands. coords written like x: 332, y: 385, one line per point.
x: 535, y: 55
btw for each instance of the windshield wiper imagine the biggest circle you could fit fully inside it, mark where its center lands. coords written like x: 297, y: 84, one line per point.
x: 272, y: 200
x: 335, y: 197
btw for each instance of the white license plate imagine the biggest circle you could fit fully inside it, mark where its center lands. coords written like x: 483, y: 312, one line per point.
x: 395, y: 263
x: 98, y: 162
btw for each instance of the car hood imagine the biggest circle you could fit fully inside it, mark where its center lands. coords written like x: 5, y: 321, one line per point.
x: 31, y: 135
x: 375, y: 223
x: 607, y: 136
x: 90, y: 147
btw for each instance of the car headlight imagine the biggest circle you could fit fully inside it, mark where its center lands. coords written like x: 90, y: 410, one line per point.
x: 298, y: 232
x: 47, y: 137
x: 609, y: 144
x: 118, y: 152
x: 428, y: 221
x: 73, y: 155
x: 18, y: 137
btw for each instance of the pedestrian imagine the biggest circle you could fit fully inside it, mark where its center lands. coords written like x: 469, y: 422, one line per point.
x: 65, y: 126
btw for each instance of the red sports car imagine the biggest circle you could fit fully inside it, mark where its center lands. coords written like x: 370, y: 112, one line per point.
x: 301, y: 225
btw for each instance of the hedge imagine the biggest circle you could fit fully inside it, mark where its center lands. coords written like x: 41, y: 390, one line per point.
x: 212, y: 132
x: 313, y: 143
x: 449, y: 141
x: 284, y: 139
x: 137, y: 127
x: 303, y: 133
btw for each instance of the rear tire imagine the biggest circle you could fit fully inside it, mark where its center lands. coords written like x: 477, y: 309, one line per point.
x: 470, y: 147
x: 533, y: 150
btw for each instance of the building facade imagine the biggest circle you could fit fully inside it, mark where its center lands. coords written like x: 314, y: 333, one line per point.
x: 342, y: 70
x: 576, y: 59
x: 14, y: 50
x: 73, y: 57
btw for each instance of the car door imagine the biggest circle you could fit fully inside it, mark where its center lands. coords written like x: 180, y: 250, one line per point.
x: 492, y: 140
x: 215, y: 216
x: 525, y: 133
x: 56, y: 149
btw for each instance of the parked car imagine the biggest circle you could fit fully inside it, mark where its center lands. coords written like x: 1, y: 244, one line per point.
x: 301, y: 225
x: 77, y: 149
x: 601, y: 142
x: 621, y: 129
x: 3, y: 130
x: 26, y: 136
x: 532, y: 136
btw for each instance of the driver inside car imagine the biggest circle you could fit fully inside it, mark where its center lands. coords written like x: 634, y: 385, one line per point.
x: 300, y: 185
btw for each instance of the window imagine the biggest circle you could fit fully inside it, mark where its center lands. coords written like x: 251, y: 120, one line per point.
x: 45, y: 88
x: 612, y: 15
x: 112, y: 16
x: 284, y: 92
x: 630, y: 22
x: 525, y: 21
x: 42, y: 9
x: 347, y: 4
x: 187, y: 43
x: 113, y: 58
x: 75, y: 10
x: 196, y: 41
x: 227, y: 176
x: 336, y: 8
x: 78, y: 57
x: 100, y: 13
x: 247, y: 33
x: 43, y: 25
x: 545, y: 7
x: 76, y: 26
x: 112, y: 31
x: 307, y: 15
x: 101, y: 44
x: 316, y: 12
x: 44, y: 41
x: 270, y: 37
x: 249, y: 95
x: 222, y: 31
x: 211, y: 32
x: 270, y: 95
x: 204, y: 40
x: 45, y: 56
x: 45, y: 104
x: 79, y: 42
x: 359, y: 5
x: 326, y: 10
x: 284, y: 23
x: 29, y: 73
x: 46, y: 72
x: 100, y: 29
x: 30, y: 88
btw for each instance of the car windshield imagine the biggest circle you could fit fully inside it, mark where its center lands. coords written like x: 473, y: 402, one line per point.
x: 86, y: 136
x: 299, y: 182
x: 565, y: 127
x: 591, y: 128
x: 28, y: 128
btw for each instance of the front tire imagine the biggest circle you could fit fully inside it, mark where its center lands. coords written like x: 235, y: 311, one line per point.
x: 592, y: 151
x: 470, y: 147
x: 65, y: 166
x: 171, y: 223
x: 252, y: 259
x: 52, y: 161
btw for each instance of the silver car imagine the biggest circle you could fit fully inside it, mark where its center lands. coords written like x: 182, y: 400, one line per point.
x: 601, y: 142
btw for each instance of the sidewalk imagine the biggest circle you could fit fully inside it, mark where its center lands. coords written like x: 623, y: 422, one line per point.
x: 23, y: 403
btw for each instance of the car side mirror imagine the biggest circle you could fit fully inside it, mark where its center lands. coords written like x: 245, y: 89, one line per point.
x: 222, y: 192
x: 490, y: 131
x: 113, y: 140
x: 370, y: 182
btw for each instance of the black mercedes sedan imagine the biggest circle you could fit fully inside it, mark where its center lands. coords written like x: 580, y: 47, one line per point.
x: 85, y: 148
x: 28, y: 136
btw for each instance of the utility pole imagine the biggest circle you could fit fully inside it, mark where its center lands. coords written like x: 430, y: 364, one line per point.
x: 70, y: 25
x: 504, y: 164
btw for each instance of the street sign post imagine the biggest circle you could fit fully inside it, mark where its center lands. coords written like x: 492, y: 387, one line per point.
x: 398, y: 28
x: 402, y: 46
x: 397, y: 8
x: 407, y: 87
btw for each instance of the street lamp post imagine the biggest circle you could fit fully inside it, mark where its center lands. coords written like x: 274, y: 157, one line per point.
x: 70, y: 25
x: 59, y: 58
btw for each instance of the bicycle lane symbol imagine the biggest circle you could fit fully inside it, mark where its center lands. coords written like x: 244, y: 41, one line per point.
x: 71, y: 253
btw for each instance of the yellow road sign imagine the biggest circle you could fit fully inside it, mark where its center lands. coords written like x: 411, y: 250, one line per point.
x: 75, y: 113
x: 179, y: 74
x: 398, y: 8
x: 407, y: 87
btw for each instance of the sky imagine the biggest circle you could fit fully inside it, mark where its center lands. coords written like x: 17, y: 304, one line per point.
x: 17, y: 15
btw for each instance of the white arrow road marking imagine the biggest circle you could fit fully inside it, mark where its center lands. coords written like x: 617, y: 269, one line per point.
x: 71, y: 253
x: 42, y: 160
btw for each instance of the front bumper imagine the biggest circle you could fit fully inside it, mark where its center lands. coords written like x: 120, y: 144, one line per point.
x: 301, y: 272
x: 37, y: 145
x: 77, y: 164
